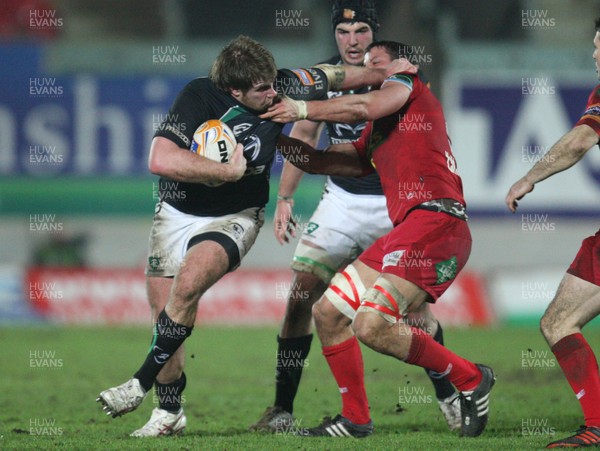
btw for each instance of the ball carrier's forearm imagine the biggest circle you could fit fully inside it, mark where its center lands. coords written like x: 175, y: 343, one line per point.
x: 167, y: 159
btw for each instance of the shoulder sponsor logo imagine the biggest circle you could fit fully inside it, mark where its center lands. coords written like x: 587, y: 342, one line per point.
x: 594, y: 110
x: 304, y: 76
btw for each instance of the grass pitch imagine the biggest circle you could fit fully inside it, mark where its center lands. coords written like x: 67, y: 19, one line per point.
x: 52, y: 375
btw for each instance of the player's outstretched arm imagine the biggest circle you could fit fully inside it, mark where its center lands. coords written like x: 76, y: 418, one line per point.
x: 344, y: 77
x: 355, y: 108
x: 567, y: 151
x: 169, y: 160
x: 338, y: 159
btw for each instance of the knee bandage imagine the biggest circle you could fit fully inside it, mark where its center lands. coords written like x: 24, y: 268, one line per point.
x: 345, y: 291
x: 385, y: 300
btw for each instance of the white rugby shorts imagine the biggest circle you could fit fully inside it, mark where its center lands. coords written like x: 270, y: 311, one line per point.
x: 173, y: 231
x: 343, y: 225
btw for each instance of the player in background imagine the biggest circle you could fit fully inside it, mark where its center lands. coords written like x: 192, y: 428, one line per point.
x: 577, y: 300
x: 351, y: 215
x: 199, y: 232
x: 413, y: 264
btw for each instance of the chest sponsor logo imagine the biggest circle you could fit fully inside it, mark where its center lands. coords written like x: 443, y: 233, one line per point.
x: 241, y: 128
x: 252, y: 146
x: 343, y: 130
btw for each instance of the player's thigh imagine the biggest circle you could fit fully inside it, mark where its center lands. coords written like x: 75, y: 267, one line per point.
x: 418, y: 259
x: 217, y: 247
x: 204, y: 264
x: 342, y: 226
x: 175, y: 233
x: 158, y: 289
x: 576, y: 303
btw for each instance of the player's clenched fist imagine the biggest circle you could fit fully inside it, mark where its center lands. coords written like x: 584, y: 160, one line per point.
x: 237, y: 164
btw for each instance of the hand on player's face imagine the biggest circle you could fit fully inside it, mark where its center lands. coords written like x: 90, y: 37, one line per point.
x: 259, y: 97
x: 283, y: 111
x: 352, y: 40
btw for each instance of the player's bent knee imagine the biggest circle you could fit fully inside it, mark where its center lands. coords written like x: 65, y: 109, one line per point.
x: 545, y: 326
x: 327, y: 316
x: 554, y: 330
x: 366, y: 327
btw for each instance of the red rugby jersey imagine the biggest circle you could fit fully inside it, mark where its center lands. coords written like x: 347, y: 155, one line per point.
x: 411, y: 151
x: 591, y: 115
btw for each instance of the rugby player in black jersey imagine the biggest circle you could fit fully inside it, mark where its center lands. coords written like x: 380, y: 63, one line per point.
x: 199, y: 232
x: 351, y: 215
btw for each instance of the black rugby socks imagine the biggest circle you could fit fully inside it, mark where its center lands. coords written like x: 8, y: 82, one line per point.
x: 291, y: 360
x: 168, y: 336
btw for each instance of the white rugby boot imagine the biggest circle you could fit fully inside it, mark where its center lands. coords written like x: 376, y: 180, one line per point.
x: 123, y: 398
x: 162, y: 423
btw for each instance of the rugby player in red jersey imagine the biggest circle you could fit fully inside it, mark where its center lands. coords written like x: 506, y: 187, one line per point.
x: 577, y: 300
x: 407, y: 143
x: 351, y: 215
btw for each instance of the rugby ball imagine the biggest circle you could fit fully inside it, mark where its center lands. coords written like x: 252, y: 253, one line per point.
x: 214, y: 140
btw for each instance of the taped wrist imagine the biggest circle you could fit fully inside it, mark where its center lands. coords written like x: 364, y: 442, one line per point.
x: 301, y: 108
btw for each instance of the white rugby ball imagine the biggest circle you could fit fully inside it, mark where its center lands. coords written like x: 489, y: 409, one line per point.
x: 214, y: 140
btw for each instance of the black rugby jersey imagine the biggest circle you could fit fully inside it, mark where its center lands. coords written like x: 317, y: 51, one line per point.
x: 342, y: 133
x: 200, y: 101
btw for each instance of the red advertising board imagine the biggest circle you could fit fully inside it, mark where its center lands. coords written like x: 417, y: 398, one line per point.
x: 245, y: 297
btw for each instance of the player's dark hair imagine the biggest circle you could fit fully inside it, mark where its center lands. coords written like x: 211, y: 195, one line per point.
x: 597, y: 23
x: 242, y: 63
x: 394, y: 49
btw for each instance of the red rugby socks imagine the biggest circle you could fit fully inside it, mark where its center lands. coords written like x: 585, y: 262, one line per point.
x: 346, y: 363
x: 579, y: 364
x: 426, y: 353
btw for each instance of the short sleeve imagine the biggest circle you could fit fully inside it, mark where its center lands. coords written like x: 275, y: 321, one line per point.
x: 185, y: 115
x: 302, y: 84
x: 591, y: 115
